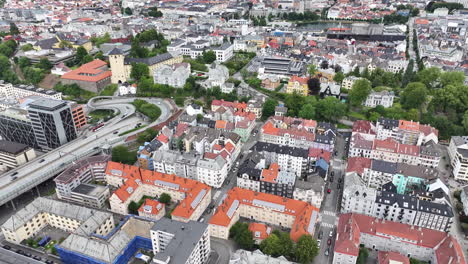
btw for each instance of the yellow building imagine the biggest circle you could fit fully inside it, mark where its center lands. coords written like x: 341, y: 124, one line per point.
x: 325, y: 76
x: 298, y: 85
x: 121, y: 67
x: 41, y: 212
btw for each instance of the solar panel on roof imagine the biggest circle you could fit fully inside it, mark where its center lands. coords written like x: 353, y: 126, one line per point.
x: 147, y: 208
x: 198, y: 198
x: 116, y: 172
x: 167, y: 184
x: 313, y: 219
x: 233, y: 208
x: 274, y: 206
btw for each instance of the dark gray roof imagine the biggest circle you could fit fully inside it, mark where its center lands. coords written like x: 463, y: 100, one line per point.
x: 388, y: 123
x: 116, y: 51
x: 186, y: 237
x: 268, y: 147
x: 151, y: 60
x: 384, y: 166
x: 12, y: 147
x: 435, y: 208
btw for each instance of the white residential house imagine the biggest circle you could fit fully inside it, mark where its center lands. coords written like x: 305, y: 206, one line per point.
x: 217, y: 75
x: 349, y: 81
x: 174, y: 75
x: 227, y: 87
x: 458, y: 153
x: 224, y: 52
x: 194, y: 109
x: 127, y: 89
x: 384, y: 98
x: 395, y: 66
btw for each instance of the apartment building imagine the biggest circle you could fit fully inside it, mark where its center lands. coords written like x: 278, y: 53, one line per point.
x: 79, y: 116
x: 133, y: 183
x: 384, y: 98
x: 7, y: 90
x: 382, y: 235
x: 348, y: 82
x: 458, y: 153
x: 52, y: 122
x: 298, y: 85
x: 386, y: 203
x: 289, y: 131
x: 14, y: 154
x: 405, y: 132
x: 270, y: 180
x: 291, y: 159
x: 224, y: 52
x: 42, y: 212
x: 75, y: 183
x: 299, y: 216
x: 179, y: 242
x: 173, y: 75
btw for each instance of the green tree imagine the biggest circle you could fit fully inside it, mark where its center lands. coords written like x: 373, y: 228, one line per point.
x: 241, y: 234
x: 287, y: 245
x: 452, y: 78
x: 314, y: 86
x: 330, y: 109
x: 412, y: 114
x: 80, y: 54
x: 306, y: 249
x: 14, y: 29
x: 307, y: 111
x: 429, y: 76
x: 27, y: 47
x: 86, y: 59
x: 355, y: 72
x: 339, y: 77
x: 271, y: 245
x: 409, y: 73
x: 414, y: 95
x: 359, y: 92
x: 33, y: 75
x: 147, y: 135
x: 363, y: 255
x: 165, y: 198
x: 312, y: 70
x: 133, y: 208
x: 128, y: 11
x: 208, y: 56
x: 139, y: 70
x: 123, y: 155
x: 4, y: 64
x: 465, y: 121
x: 45, y: 64
x: 24, y: 62
x: 269, y: 108
x: 6, y: 50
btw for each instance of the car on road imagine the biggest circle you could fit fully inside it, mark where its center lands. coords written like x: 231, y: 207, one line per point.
x: 339, y: 180
x: 159, y: 103
x: 202, y: 220
x: 331, y: 179
x: 331, y: 233
x: 115, y: 132
x: 37, y: 258
x: 318, y: 242
x: 329, y: 241
x: 42, y: 160
x: 329, y: 190
x: 332, y: 173
x: 7, y: 247
x: 49, y: 262
x: 327, y: 252
x: 19, y: 251
x: 14, y: 173
x: 27, y: 254
x: 320, y: 235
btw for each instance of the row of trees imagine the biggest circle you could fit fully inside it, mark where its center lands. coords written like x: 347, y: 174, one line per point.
x: 276, y: 244
x: 148, y: 109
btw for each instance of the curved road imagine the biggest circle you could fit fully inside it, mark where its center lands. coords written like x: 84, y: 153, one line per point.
x: 46, y: 166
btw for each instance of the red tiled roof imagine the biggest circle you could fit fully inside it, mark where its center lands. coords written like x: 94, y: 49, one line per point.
x: 408, y: 125
x: 385, y: 257
x: 89, y: 72
x: 135, y: 176
x: 350, y: 226
x: 388, y: 144
x: 363, y: 126
x: 302, y: 211
x: 270, y: 174
x: 358, y: 164
x: 301, y: 80
x: 320, y: 153
x: 155, y: 206
x: 259, y: 231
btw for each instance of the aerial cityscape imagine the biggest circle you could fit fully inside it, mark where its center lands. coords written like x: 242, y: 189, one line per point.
x: 234, y: 132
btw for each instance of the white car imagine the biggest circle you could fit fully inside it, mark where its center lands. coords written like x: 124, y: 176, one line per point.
x: 318, y: 242
x: 331, y: 233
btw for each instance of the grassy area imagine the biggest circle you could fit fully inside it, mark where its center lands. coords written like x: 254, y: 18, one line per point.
x: 150, y: 110
x: 97, y: 115
x: 238, y: 61
x: 357, y: 115
x: 131, y: 130
x: 343, y: 126
x: 109, y: 90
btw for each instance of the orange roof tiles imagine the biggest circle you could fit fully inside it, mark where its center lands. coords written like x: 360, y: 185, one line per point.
x: 302, y: 211
x: 350, y: 226
x: 386, y: 145
x: 392, y: 257
x: 154, y: 205
x: 259, y: 231
x: 220, y: 124
x: 358, y: 164
x: 270, y: 174
x: 408, y: 125
x: 301, y: 80
x: 89, y: 72
x: 134, y: 176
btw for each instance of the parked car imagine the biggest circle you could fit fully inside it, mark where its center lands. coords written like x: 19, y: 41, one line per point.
x: 329, y: 241
x: 7, y: 247
x: 37, y: 258
x: 327, y: 252
x: 19, y: 251
x: 329, y: 190
x: 42, y: 160
x: 331, y: 233
x: 332, y: 173
x: 318, y: 242
x: 320, y: 235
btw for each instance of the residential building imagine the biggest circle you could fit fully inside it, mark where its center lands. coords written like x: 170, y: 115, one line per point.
x: 121, y: 66
x: 298, y: 85
x: 300, y: 216
x: 42, y: 212
x: 406, y: 132
x: 194, y: 109
x: 458, y: 153
x: 382, y: 235
x: 16, y: 126
x: 268, y: 180
x: 7, y: 90
x: 127, y: 89
x: 212, y: 170
x: 311, y: 191
x: 281, y: 110
x: 173, y: 75
x: 289, y: 131
x: 92, y: 76
x: 259, y: 231
x: 464, y: 199
x: 152, y: 209
x: 270, y: 82
x: 224, y: 52
x: 217, y: 75
x: 243, y: 256
x: 133, y: 183
x: 383, y: 98
x: 76, y: 183
x: 179, y: 242
x: 348, y: 82
x: 14, y: 154
x: 52, y: 122
x: 357, y: 197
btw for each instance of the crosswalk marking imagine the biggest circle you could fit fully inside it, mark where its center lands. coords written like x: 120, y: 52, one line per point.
x: 327, y: 225
x: 329, y: 213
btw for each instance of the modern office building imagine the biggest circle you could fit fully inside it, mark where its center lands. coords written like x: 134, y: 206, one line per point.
x: 16, y: 126
x: 52, y: 122
x: 179, y: 242
x: 458, y: 153
x: 13, y: 154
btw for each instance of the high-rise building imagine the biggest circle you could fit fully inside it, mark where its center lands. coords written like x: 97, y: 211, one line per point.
x: 52, y: 122
x: 15, y: 126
